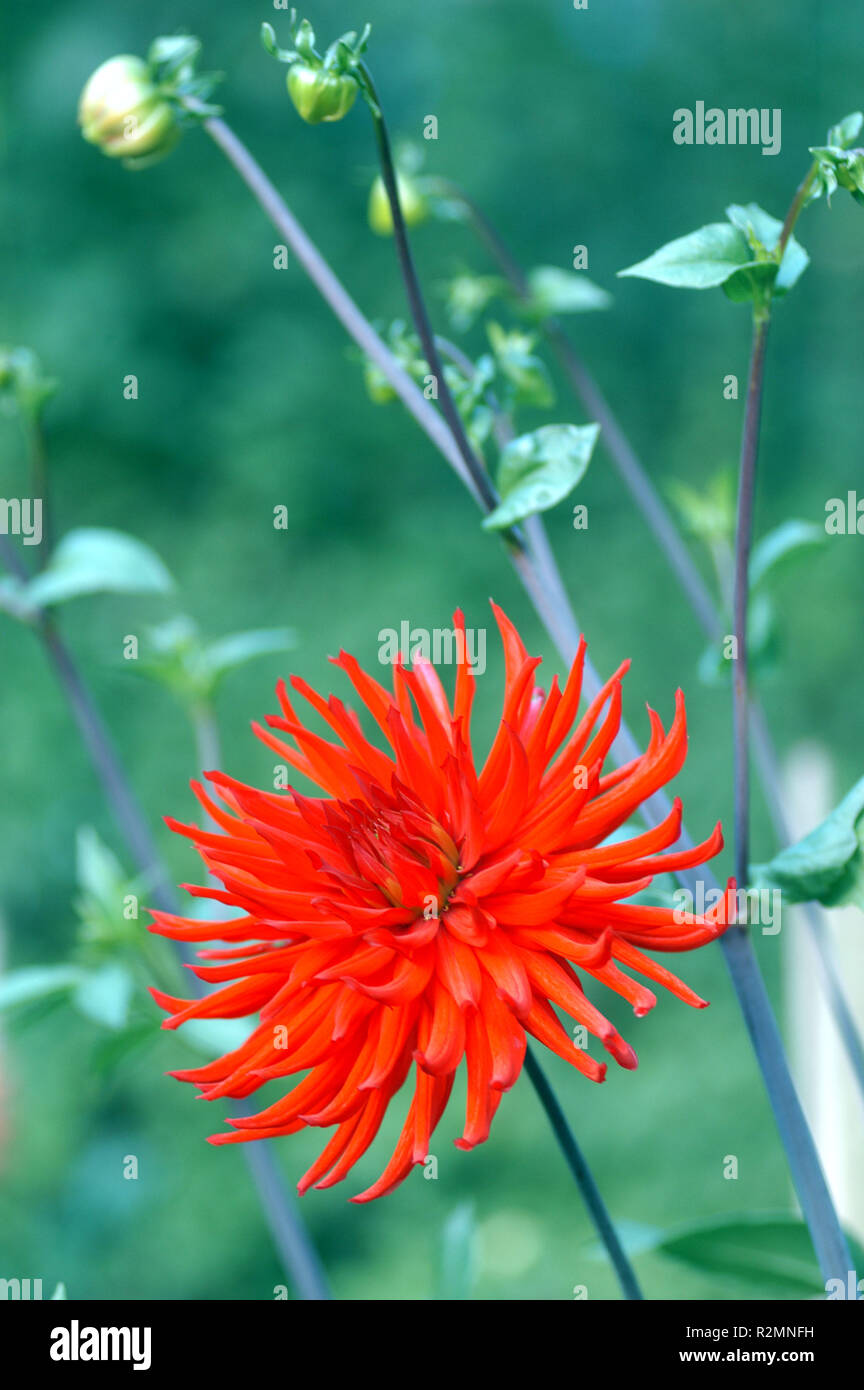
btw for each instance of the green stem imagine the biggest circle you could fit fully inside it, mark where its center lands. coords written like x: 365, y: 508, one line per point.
x: 416, y: 302
x: 583, y: 1178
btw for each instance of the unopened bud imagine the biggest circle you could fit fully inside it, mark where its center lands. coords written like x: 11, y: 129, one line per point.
x: 414, y: 206
x: 122, y: 111
x: 320, y: 95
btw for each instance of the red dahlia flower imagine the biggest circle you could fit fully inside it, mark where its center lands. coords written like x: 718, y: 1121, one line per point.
x: 422, y: 912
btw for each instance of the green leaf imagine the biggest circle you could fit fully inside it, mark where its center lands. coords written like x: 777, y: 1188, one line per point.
x: 763, y: 233
x: 97, y: 869
x: 787, y: 539
x: 555, y: 291
x: 100, y: 903
x: 36, y: 982
x: 708, y: 511
x: 846, y: 132
x: 759, y: 1248
x: 827, y: 866
x: 700, y: 261
x: 525, y: 372
x: 104, y: 995
x: 716, y: 669
x: 538, y: 470
x: 458, y: 1254
x: 227, y: 653
x: 93, y: 560
x: 13, y: 602
x: 469, y: 295
x: 176, y: 656
x: 838, y: 168
x: 736, y: 254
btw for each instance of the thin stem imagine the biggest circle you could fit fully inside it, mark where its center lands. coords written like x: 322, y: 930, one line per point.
x: 795, y: 208
x: 416, y: 302
x: 502, y: 424
x: 830, y: 1245
x: 583, y: 1178
x: 286, y: 1229
x: 336, y: 296
x: 741, y: 595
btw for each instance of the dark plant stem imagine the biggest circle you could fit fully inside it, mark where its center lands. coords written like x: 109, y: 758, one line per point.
x: 542, y: 582
x: 287, y: 1231
x: 741, y: 596
x: 583, y: 1178
x: 417, y: 303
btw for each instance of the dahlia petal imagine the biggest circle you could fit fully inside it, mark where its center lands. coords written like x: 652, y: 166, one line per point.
x: 544, y: 1025
x: 459, y: 970
x: 441, y: 1052
x: 505, y: 967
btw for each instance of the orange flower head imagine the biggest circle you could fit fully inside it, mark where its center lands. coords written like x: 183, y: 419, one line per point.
x: 421, y: 912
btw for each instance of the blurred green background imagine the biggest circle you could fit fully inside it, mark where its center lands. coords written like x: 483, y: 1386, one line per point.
x: 559, y: 123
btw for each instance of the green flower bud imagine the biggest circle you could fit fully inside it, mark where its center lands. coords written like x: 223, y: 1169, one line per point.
x: 123, y: 112
x: 414, y: 206
x: 320, y: 95
x: 378, y: 388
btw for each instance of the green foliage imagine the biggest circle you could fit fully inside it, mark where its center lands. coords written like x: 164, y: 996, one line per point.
x: 737, y: 255
x: 838, y: 165
x: 521, y: 368
x: 709, y: 512
x: 786, y: 541
x: 176, y: 656
x: 468, y: 297
x: 36, y: 982
x: 763, y: 1249
x: 95, y: 560
x: 540, y: 469
x: 553, y: 291
x: 108, y: 962
x: 827, y: 866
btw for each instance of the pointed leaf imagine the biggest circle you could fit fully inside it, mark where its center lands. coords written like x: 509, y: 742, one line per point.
x: 700, y: 261
x: 784, y: 540
x: 226, y: 653
x: 758, y: 1248
x: 827, y: 866
x: 36, y: 982
x: 93, y: 560
x: 538, y: 470
x: 556, y: 291
x: 763, y: 232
